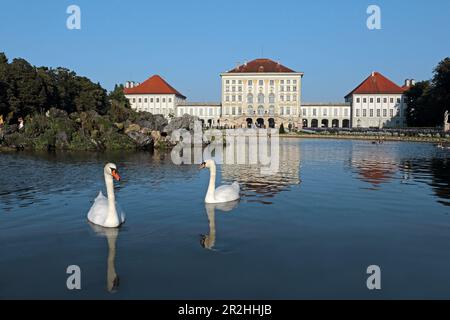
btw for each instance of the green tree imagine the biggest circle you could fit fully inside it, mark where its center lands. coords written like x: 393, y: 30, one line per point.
x: 118, y: 95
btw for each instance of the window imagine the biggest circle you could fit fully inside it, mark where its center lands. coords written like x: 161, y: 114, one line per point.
x: 378, y: 113
x: 140, y: 100
x: 170, y: 99
x: 164, y: 100
x: 357, y: 112
x: 358, y: 100
x: 325, y: 112
x: 392, y: 100
x: 281, y: 98
x: 134, y: 100
x: 227, y: 89
x: 288, y: 88
x: 272, y: 98
x: 397, y: 114
x: 378, y: 100
x: 398, y: 100
x: 261, y: 110
x: 371, y: 113
x: 294, y: 81
x: 288, y: 98
x: 239, y: 110
x: 240, y: 81
x: 233, y: 98
x: 271, y: 110
x: 364, y: 112
x: 240, y: 98
x: 314, y: 112
x: 385, y: 100
x: 294, y: 98
x: 272, y: 82
x: 288, y: 81
x: 335, y: 112
x: 157, y: 99
x: 282, y: 110
x: 250, y: 110
x: 294, y: 88
x: 282, y: 81
x: 364, y: 100
x: 233, y: 89
x: 250, y: 82
x: 145, y: 100
x: 249, y: 98
x: 233, y: 82
x: 282, y: 88
x: 288, y: 110
x: 304, y: 112
x: 233, y: 111
x: 391, y: 113
x: 210, y: 111
x: 260, y: 98
x: 261, y: 82
x: 371, y: 100
x: 240, y: 89
x: 151, y: 100
x: 227, y: 98
x: 227, y: 82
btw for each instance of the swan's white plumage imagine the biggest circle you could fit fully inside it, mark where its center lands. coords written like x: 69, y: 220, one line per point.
x: 99, y: 211
x: 227, y: 193
x: 105, y: 211
x: 222, y: 194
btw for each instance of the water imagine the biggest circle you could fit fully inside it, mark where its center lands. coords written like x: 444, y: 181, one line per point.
x: 309, y: 231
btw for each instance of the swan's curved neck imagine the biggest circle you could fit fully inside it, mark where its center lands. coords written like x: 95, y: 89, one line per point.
x: 212, y: 183
x: 112, y: 213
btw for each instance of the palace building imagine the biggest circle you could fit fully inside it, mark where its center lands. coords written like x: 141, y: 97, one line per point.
x: 266, y: 94
x: 378, y: 103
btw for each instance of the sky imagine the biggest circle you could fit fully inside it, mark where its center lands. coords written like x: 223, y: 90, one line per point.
x: 190, y: 42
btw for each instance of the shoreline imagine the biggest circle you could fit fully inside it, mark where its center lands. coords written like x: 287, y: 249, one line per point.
x: 366, y: 138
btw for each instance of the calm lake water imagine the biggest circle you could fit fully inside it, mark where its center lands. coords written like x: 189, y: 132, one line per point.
x: 309, y: 231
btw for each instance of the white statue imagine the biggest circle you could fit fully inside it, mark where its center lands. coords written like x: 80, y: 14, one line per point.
x: 446, y: 124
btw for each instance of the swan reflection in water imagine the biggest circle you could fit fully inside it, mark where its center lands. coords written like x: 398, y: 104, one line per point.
x: 111, y: 234
x: 208, y: 241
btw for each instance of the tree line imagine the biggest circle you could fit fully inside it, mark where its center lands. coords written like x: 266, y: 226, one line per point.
x: 428, y: 100
x: 26, y: 89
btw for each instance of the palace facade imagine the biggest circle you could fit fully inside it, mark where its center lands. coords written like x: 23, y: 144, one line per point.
x: 266, y: 94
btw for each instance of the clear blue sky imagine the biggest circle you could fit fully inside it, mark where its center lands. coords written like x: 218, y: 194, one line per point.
x: 190, y: 42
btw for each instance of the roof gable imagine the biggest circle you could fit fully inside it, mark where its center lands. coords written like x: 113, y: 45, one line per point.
x: 376, y: 83
x: 153, y: 85
x: 261, y: 66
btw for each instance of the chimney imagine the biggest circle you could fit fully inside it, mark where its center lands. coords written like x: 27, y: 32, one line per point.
x: 245, y: 63
x: 373, y: 73
x: 413, y: 82
x: 407, y: 83
x: 127, y: 84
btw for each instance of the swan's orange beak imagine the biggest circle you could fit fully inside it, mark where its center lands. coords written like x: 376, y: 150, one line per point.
x: 115, y: 175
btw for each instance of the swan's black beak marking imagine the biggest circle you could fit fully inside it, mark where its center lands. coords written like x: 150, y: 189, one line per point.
x: 115, y: 174
x: 202, y: 165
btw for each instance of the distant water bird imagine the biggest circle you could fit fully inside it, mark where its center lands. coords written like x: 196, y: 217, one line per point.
x: 105, y: 212
x: 225, y: 193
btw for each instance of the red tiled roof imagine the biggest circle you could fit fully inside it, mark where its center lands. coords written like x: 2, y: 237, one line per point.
x: 260, y: 66
x: 153, y: 85
x: 376, y: 83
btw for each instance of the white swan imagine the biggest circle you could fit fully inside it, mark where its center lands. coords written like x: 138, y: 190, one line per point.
x: 104, y: 210
x: 225, y: 193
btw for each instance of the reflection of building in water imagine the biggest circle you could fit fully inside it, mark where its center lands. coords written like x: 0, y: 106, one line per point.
x: 254, y: 183
x: 111, y: 234
x: 374, y: 164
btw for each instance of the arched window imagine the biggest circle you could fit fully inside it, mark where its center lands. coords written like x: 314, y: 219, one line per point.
x: 261, y: 110
x: 261, y: 98
x: 250, y: 98
x: 271, y: 98
x: 272, y: 110
x: 250, y: 110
